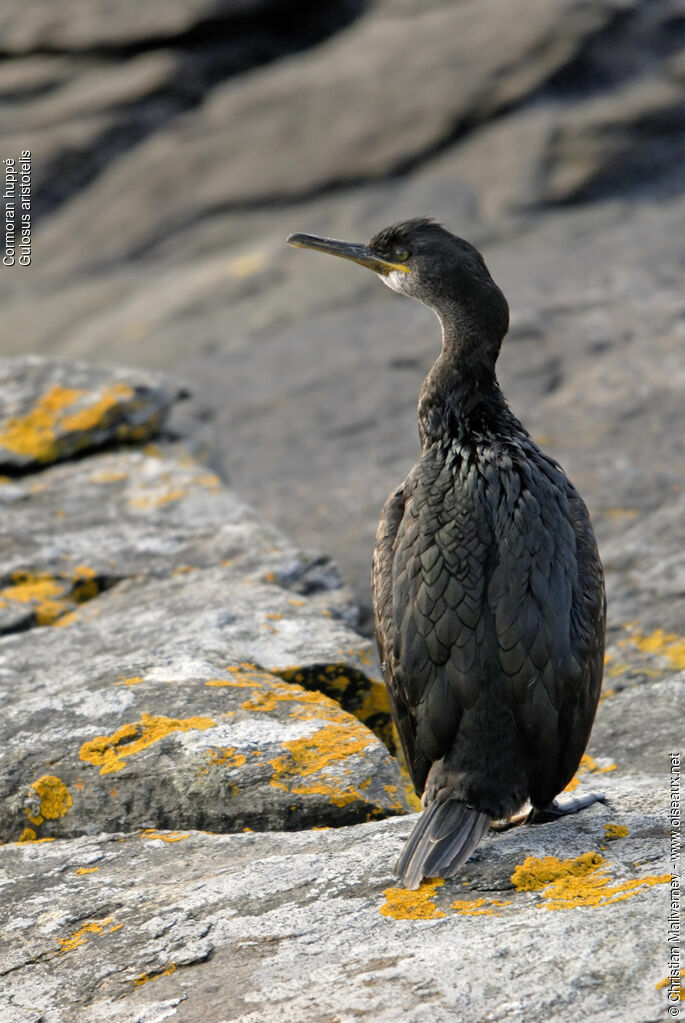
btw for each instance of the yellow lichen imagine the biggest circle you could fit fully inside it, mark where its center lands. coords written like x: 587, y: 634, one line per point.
x: 616, y: 831
x: 134, y: 680
x: 313, y: 753
x: 145, y: 502
x: 109, y: 751
x: 666, y: 644
x: 80, y: 937
x: 29, y: 835
x: 588, y: 765
x: 85, y: 870
x: 40, y: 590
x: 33, y: 435
x: 55, y: 800
x: 165, y: 836
x: 401, y: 904
x: 99, y: 413
x: 478, y: 907
x: 108, y: 476
x: 533, y: 874
x: 145, y: 977
x: 571, y: 884
x: 675, y: 983
x: 36, y: 434
x: 226, y: 757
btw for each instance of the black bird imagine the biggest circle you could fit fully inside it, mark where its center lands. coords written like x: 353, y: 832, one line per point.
x: 488, y: 590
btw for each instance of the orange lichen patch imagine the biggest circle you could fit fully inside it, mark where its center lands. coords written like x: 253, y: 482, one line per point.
x: 569, y: 893
x: 210, y: 481
x: 327, y: 749
x: 666, y: 644
x: 85, y: 870
x: 365, y: 698
x: 134, y: 680
x: 228, y: 683
x: 588, y: 765
x: 571, y: 884
x: 226, y: 757
x: 33, y: 435
x: 29, y: 835
x: 99, y: 413
x: 620, y: 668
x: 401, y: 904
x: 473, y: 907
x: 329, y: 745
x: 145, y: 977
x: 675, y: 983
x: 534, y: 874
x: 276, y: 616
x: 606, y: 693
x: 36, y: 434
x: 80, y: 937
x: 108, y: 476
x: 55, y: 800
x: 165, y: 836
x: 65, y: 620
x: 108, y: 752
x: 40, y: 590
x: 49, y: 595
x: 84, y: 572
x: 144, y: 502
x: 616, y: 831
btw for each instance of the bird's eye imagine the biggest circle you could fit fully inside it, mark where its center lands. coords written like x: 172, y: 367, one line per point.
x: 402, y: 255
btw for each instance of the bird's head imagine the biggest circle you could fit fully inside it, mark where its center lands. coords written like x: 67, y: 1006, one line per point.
x: 419, y: 258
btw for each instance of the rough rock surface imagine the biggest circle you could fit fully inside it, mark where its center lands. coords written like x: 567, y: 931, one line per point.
x: 309, y: 927
x: 183, y: 680
x: 50, y: 411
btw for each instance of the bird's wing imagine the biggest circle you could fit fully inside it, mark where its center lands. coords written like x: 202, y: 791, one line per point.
x: 428, y: 598
x: 546, y: 597
x: 382, y: 592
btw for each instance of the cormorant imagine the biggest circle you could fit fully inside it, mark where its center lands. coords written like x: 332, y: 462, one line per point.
x: 488, y: 590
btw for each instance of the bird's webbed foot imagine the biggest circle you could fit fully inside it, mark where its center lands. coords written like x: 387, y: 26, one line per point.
x: 556, y: 809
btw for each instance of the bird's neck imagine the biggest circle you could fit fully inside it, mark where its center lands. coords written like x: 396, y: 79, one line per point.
x: 461, y: 395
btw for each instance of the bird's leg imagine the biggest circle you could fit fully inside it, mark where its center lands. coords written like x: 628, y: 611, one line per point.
x: 555, y: 810
x: 505, y: 823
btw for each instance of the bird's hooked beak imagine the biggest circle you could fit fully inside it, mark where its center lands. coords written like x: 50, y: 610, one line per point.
x: 357, y: 253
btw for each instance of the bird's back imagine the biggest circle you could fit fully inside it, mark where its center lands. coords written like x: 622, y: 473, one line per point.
x: 489, y: 602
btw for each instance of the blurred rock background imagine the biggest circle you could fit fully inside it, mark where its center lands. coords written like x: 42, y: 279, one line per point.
x: 176, y: 145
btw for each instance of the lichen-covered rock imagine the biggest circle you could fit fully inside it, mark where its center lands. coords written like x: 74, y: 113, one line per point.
x: 75, y: 529
x: 193, y: 692
x: 261, y: 928
x: 173, y: 748
x: 53, y: 410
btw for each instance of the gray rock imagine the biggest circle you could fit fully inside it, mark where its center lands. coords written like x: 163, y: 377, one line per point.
x: 183, y: 679
x: 78, y: 528
x: 389, y: 113
x: 50, y: 410
x: 74, y: 27
x: 310, y: 926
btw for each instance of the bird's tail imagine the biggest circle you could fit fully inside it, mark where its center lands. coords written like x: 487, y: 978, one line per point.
x: 446, y: 834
